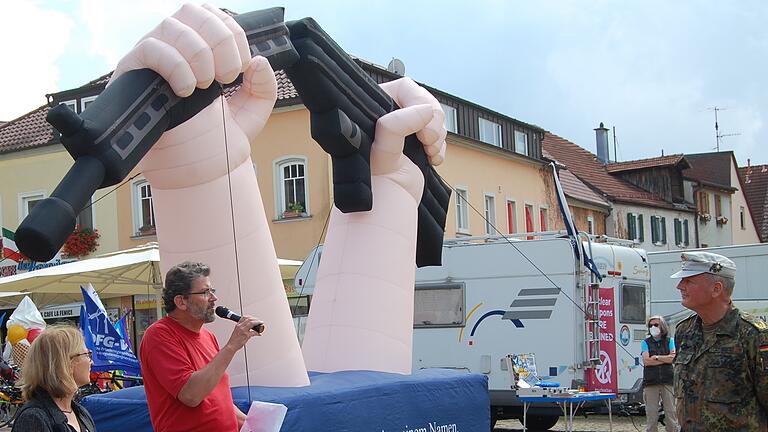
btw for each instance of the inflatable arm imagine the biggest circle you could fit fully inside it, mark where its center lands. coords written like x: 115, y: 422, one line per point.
x: 345, y: 104
x: 115, y: 132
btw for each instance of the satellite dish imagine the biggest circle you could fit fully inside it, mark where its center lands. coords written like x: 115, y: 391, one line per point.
x: 396, y: 66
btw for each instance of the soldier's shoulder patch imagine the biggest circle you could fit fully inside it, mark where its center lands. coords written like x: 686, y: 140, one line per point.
x: 755, y: 321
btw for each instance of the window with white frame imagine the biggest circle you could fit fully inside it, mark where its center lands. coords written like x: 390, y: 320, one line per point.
x: 450, y: 118
x: 521, y: 142
x: 511, y: 217
x: 28, y: 201
x: 489, y: 207
x: 681, y: 232
x: 462, y: 211
x: 658, y: 230
x: 544, y: 218
x: 291, y: 181
x: 590, y: 224
x: 84, y: 102
x: 529, y: 218
x: 85, y: 218
x: 71, y: 104
x: 490, y: 132
x: 635, y: 229
x: 741, y: 217
x: 143, y: 209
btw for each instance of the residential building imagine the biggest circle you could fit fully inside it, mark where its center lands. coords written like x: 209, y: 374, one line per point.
x: 712, y: 183
x: 648, y: 205
x: 588, y: 208
x: 754, y: 179
x: 494, y: 162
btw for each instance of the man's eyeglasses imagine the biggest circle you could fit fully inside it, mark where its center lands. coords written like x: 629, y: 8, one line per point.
x: 87, y: 353
x: 653, y: 325
x: 206, y: 293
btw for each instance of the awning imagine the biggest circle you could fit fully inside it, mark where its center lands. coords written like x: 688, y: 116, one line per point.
x: 129, y: 272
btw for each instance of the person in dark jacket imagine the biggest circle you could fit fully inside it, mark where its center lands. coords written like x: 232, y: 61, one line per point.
x: 658, y: 351
x: 56, y: 365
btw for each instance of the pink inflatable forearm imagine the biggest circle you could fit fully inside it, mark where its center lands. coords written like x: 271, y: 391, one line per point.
x: 362, y: 309
x: 192, y: 207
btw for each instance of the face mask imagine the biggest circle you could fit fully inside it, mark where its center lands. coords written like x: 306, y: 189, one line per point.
x: 655, y: 331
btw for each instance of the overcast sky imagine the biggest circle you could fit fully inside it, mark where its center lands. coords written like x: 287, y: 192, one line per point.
x: 652, y: 69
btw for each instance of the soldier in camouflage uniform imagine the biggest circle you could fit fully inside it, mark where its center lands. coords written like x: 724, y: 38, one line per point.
x: 721, y: 367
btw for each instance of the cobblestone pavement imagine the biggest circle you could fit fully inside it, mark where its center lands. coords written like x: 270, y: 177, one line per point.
x: 595, y: 423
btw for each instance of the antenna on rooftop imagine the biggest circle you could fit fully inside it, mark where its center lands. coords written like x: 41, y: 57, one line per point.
x: 718, y: 136
x: 396, y: 66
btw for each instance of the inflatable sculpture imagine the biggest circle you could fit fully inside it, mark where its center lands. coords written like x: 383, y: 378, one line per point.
x: 164, y: 110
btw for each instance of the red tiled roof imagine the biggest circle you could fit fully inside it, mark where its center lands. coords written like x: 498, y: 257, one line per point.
x: 575, y: 188
x: 28, y: 131
x: 655, y: 162
x: 589, y: 170
x: 754, y: 180
x: 712, y: 169
x: 31, y: 130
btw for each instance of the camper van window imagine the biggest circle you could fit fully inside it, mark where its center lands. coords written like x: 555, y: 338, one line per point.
x: 439, y: 305
x: 632, y: 304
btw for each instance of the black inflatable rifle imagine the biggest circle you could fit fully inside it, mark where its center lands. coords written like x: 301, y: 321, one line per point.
x: 121, y: 125
x: 345, y: 104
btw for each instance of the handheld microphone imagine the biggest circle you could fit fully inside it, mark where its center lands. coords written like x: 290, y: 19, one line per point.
x: 223, y: 312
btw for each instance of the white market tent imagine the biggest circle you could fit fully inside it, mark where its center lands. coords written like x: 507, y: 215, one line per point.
x: 129, y: 272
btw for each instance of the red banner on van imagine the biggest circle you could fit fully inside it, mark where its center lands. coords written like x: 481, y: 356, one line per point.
x: 604, y: 377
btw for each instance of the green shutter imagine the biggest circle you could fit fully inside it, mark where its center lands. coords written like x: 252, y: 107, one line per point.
x: 663, y: 230
x: 654, y: 230
x: 630, y: 227
x: 685, y: 233
x: 678, y: 232
x: 640, y: 230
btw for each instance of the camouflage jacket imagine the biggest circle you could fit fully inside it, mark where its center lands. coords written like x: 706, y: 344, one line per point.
x: 721, y: 378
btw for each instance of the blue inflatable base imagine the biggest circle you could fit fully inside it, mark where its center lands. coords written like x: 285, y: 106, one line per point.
x: 429, y: 400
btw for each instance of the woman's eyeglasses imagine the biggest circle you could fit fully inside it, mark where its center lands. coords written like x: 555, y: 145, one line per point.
x: 653, y: 325
x: 87, y: 353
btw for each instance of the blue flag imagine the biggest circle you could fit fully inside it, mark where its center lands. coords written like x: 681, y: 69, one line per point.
x: 122, y: 329
x: 570, y: 227
x: 110, y: 350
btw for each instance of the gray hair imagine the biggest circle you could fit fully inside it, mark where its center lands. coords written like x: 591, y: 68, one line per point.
x: 728, y: 283
x: 178, y: 281
x: 662, y: 324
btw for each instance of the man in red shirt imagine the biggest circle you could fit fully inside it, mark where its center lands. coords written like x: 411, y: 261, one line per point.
x: 184, y: 370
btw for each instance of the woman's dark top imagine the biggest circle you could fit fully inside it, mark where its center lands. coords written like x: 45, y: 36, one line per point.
x: 40, y: 414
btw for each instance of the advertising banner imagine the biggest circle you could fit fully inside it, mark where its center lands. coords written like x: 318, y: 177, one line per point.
x: 604, y: 377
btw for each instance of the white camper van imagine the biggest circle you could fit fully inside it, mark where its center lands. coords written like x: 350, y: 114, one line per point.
x: 749, y: 295
x: 494, y: 297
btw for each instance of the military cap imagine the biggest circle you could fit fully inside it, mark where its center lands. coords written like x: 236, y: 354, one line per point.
x: 694, y: 263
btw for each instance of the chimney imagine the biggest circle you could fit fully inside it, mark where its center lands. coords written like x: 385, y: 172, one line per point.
x: 601, y: 134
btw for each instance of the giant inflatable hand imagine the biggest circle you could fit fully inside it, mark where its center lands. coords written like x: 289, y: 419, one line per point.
x: 362, y: 309
x: 207, y: 203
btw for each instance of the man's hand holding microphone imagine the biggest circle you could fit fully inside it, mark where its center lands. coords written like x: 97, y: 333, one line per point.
x: 246, y: 328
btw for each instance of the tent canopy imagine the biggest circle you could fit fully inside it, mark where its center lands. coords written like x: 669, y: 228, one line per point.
x: 129, y: 272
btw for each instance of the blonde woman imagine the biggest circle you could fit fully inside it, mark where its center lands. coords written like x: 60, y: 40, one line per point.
x: 56, y: 365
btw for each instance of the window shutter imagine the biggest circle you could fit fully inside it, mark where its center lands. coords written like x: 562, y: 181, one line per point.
x: 640, y: 231
x: 678, y: 232
x: 685, y: 233
x: 663, y: 230
x: 654, y: 230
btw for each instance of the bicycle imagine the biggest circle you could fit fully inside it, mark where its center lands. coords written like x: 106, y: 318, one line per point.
x: 10, y: 402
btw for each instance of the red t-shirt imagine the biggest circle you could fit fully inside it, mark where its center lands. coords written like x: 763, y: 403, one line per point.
x: 170, y: 353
